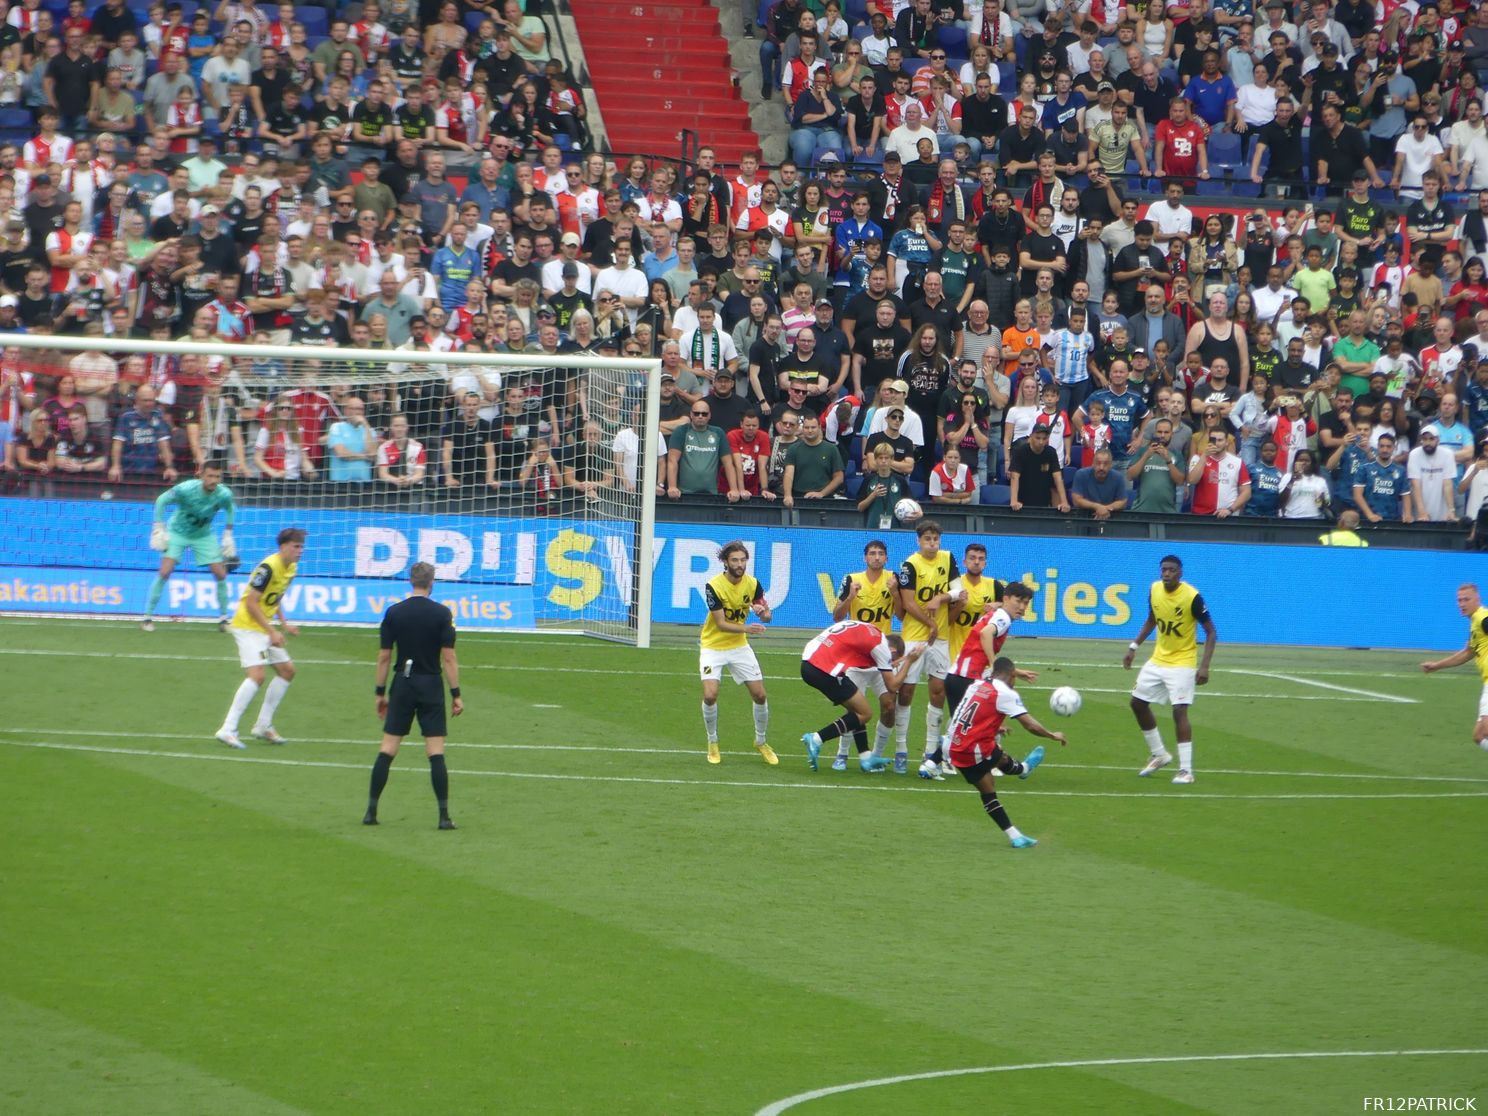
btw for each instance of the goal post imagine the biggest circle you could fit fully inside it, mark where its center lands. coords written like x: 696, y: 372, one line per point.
x: 528, y: 480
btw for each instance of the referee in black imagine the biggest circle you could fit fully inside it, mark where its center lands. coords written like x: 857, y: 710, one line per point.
x: 423, y: 631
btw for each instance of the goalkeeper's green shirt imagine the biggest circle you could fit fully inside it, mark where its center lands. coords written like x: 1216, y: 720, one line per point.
x: 195, y: 506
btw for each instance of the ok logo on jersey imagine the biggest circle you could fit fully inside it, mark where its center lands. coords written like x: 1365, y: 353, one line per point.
x: 736, y: 615
x: 872, y: 615
x: 1168, y: 627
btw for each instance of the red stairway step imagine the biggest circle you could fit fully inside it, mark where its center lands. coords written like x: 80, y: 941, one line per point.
x: 643, y: 59
x: 636, y: 44
x: 669, y: 81
x: 627, y: 102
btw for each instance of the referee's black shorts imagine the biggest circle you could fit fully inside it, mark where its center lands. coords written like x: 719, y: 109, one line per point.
x: 834, y: 687
x: 418, y: 695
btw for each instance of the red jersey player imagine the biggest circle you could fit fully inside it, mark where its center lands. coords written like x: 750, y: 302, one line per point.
x: 852, y: 645
x: 976, y: 741
x: 984, y: 642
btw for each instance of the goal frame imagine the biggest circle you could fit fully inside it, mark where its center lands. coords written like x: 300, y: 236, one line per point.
x: 650, y: 366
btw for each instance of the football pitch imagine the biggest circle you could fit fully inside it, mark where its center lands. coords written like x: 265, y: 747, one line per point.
x: 618, y: 927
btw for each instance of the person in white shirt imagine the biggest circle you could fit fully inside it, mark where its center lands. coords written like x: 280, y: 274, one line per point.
x: 1417, y: 152
x: 1170, y: 216
x: 624, y: 280
x: 707, y: 348
x: 1272, y: 299
x: 1432, y: 472
x: 1468, y: 141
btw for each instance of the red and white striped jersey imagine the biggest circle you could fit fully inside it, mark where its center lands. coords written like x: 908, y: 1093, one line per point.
x: 850, y: 645
x: 980, y: 720
x: 972, y: 662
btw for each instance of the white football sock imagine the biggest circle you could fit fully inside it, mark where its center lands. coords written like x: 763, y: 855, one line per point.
x: 710, y: 721
x: 761, y: 722
x: 901, y: 727
x: 273, y: 695
x: 1185, y: 755
x: 1012, y: 833
x: 240, y: 703
x: 932, y: 730
x: 881, y: 738
x: 1154, y: 741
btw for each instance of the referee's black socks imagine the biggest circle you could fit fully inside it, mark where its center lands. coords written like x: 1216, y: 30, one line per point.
x: 439, y: 777
x: 380, y: 768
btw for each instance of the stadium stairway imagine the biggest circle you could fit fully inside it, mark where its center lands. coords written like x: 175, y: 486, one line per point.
x: 659, y: 66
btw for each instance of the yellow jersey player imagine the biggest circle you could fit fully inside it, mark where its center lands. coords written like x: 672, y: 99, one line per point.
x: 260, y: 644
x: 1471, y: 603
x: 724, y: 644
x: 1177, y: 611
x: 973, y: 594
x: 924, y: 592
x: 871, y: 596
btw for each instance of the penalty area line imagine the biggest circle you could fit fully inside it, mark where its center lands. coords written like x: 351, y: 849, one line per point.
x: 881, y: 788
x: 777, y: 1107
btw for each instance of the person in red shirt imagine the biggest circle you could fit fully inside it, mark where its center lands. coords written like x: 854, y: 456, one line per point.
x: 976, y: 741
x: 852, y: 645
x: 984, y: 642
x: 751, y: 449
x: 1221, y: 482
x: 1182, y: 151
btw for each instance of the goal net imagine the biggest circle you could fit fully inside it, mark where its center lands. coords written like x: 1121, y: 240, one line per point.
x: 528, y: 480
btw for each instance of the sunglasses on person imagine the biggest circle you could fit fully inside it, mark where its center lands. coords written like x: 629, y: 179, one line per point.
x: 700, y: 414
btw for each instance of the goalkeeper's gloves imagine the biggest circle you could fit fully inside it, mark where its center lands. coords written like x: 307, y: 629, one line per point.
x: 229, y: 547
x: 158, y: 537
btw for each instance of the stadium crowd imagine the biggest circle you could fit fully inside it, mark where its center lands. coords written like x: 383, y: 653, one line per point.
x: 1027, y: 301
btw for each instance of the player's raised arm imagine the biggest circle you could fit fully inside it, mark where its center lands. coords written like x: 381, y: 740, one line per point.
x: 845, y: 597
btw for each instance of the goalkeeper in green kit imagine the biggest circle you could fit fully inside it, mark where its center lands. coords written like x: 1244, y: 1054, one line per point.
x: 197, y: 503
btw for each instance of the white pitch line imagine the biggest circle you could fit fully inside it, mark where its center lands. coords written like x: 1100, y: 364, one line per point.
x: 56, y: 746
x: 692, y: 753
x: 1373, y: 695
x: 360, y: 664
x: 776, y: 1108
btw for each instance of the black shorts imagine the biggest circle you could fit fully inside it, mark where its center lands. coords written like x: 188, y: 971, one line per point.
x: 988, y: 766
x: 834, y: 687
x: 956, y: 686
x: 421, y: 696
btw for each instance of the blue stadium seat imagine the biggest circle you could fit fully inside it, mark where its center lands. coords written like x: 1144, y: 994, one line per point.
x: 13, y: 119
x: 1007, y: 80
x: 473, y: 20
x: 1224, y: 147
x: 315, y: 19
x: 997, y: 495
x: 913, y: 64
x: 762, y: 12
x: 852, y: 486
x: 917, y: 488
x: 856, y: 11
x: 861, y: 32
x: 951, y: 38
x: 1069, y: 478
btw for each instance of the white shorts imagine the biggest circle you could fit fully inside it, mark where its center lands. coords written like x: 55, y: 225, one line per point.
x: 254, y: 649
x: 937, y: 660
x: 1483, y: 703
x: 867, y: 680
x: 740, y: 661
x: 1165, y: 685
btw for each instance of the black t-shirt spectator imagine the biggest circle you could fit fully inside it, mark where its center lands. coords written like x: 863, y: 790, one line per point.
x: 1153, y: 103
x: 284, y: 120
x: 1013, y: 147
x: 1007, y: 232
x: 1130, y: 291
x: 1435, y: 219
x: 983, y: 118
x: 728, y: 412
x: 32, y: 311
x: 167, y: 228
x: 415, y: 124
x: 1284, y: 148
x: 502, y: 74
x: 72, y: 82
x: 942, y: 316
x: 863, y: 115
x: 326, y: 117
x: 220, y: 254
x: 368, y: 122
x: 599, y: 244
x: 904, y: 449
x: 1040, y: 247
x: 327, y: 331
x: 880, y: 350
x: 13, y: 268
x: 1344, y: 154
x: 862, y: 309
x: 767, y: 357
x: 510, y: 272
x: 109, y: 25
x: 271, y: 88
x: 1036, y: 471
x: 468, y: 457
x: 43, y: 220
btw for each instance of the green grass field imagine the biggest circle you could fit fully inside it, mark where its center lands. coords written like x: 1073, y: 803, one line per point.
x: 619, y: 928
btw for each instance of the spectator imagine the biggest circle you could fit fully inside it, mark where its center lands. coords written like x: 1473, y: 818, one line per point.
x: 401, y: 461
x: 1221, y: 483
x: 1432, y: 473
x: 142, y: 442
x: 353, y: 444
x: 1381, y: 487
x: 1098, y: 488
x: 1034, y: 473
x: 813, y: 467
x: 882, y: 489
x: 1303, y: 494
x: 697, y: 463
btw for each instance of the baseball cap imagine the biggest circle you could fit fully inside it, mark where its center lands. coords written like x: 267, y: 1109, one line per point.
x: 1361, y: 175
x: 827, y: 157
x: 1330, y: 48
x: 8, y: 300
x: 665, y: 376
x: 545, y: 310
x: 721, y: 373
x: 209, y: 211
x: 1139, y: 352
x: 892, y: 157
x: 1105, y: 87
x: 892, y: 411
x: 570, y: 270
x: 899, y: 386
x: 827, y: 302
x: 42, y: 180
x: 571, y: 238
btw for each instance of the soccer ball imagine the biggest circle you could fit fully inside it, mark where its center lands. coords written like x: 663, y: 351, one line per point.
x: 1065, y: 701
x: 907, y: 510
x: 929, y: 769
